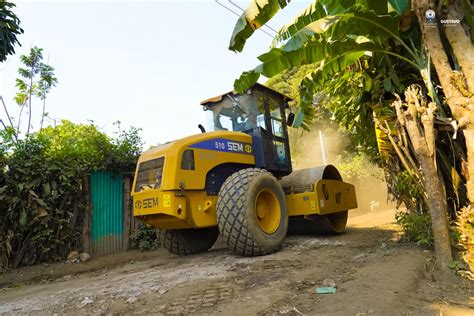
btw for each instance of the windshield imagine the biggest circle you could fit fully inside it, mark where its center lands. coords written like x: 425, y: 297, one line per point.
x: 238, y: 113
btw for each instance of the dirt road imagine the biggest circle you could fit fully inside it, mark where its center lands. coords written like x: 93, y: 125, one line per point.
x: 374, y: 274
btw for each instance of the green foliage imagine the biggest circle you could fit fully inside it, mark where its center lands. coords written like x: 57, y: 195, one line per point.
x: 9, y: 30
x: 314, y: 82
x: 416, y: 227
x: 287, y: 82
x: 338, y: 35
x: 41, y: 179
x: 400, y: 6
x: 36, y: 80
x: 84, y: 145
x: 345, y: 97
x: 257, y: 14
x: 365, y: 52
x: 407, y: 185
x: 89, y: 149
x: 339, y: 105
x: 145, y: 238
x: 314, y: 12
x: 126, y: 147
x: 26, y: 86
x: 39, y: 199
x: 416, y: 223
x: 46, y: 82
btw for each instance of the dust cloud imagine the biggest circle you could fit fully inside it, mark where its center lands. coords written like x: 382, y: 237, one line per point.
x: 371, y: 189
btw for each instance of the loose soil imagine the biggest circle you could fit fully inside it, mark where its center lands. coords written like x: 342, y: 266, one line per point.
x: 373, y: 272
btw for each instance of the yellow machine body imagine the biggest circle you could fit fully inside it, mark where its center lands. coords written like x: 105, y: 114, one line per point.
x: 181, y: 201
x: 317, y: 191
x: 169, y: 190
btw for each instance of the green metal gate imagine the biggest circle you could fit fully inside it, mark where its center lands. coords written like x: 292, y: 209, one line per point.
x: 107, y: 212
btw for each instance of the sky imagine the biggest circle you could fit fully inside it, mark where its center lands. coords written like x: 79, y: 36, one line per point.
x: 147, y: 64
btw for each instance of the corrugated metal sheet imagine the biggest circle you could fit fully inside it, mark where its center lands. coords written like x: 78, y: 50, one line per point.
x: 107, y: 212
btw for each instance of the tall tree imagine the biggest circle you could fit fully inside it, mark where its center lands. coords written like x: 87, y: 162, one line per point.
x: 36, y: 80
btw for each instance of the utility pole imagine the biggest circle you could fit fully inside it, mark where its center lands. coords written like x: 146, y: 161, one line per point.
x: 323, y: 149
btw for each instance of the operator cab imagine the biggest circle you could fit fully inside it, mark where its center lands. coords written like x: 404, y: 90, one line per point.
x: 260, y: 112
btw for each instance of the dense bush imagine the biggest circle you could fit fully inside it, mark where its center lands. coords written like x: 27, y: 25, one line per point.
x: 416, y: 228
x: 145, y: 238
x: 416, y: 220
x: 41, y: 197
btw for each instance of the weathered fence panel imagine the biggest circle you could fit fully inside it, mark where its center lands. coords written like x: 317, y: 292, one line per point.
x: 107, y: 196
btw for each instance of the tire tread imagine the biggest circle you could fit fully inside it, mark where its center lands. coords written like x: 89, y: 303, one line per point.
x: 183, y: 242
x: 232, y: 222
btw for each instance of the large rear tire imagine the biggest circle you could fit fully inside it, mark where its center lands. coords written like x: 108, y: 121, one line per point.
x: 332, y: 224
x: 252, y: 213
x: 184, y: 242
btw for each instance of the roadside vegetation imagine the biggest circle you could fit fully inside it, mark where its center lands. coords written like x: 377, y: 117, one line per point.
x: 145, y: 238
x: 42, y: 170
x: 41, y: 179
x: 400, y: 86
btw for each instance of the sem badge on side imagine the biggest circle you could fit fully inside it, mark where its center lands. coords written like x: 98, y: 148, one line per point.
x: 224, y: 145
x: 146, y: 203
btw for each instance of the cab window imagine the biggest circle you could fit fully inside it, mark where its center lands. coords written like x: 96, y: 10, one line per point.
x: 275, y: 116
x: 187, y: 161
x: 239, y: 112
x: 149, y: 174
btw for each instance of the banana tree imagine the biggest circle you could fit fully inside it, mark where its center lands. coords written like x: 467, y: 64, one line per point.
x: 342, y: 34
x: 337, y: 34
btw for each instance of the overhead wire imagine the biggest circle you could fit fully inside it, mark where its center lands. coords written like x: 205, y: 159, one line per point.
x: 229, y: 9
x: 241, y: 9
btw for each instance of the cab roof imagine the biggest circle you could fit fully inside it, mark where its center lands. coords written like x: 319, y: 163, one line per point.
x: 256, y: 86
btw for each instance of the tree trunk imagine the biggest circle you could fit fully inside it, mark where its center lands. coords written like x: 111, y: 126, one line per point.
x: 19, y: 117
x: 469, y: 135
x: 42, y: 115
x: 459, y: 97
x: 425, y: 155
x: 7, y: 113
x: 31, y: 95
x: 29, y: 117
x: 462, y: 48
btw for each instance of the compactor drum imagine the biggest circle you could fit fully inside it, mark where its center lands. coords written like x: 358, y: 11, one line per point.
x: 237, y: 181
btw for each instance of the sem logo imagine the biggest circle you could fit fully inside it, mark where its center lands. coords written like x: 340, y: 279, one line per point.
x: 147, y: 203
x: 231, y: 146
x: 248, y: 148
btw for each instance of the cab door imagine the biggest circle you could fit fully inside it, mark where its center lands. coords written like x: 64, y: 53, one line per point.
x: 276, y: 125
x: 270, y: 140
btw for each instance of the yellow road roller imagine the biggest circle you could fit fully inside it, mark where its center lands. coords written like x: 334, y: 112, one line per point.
x: 237, y: 181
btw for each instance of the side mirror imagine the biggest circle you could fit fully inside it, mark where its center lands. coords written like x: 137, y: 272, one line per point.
x: 291, y: 118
